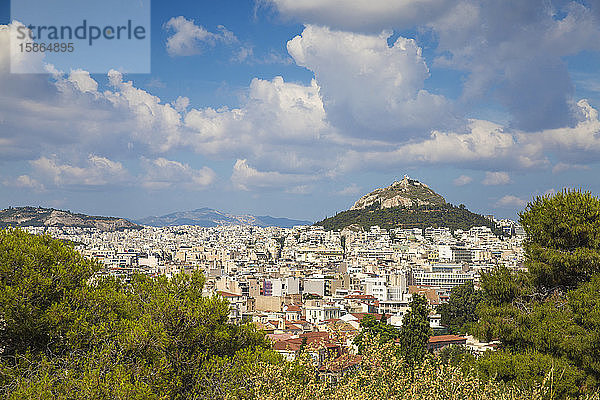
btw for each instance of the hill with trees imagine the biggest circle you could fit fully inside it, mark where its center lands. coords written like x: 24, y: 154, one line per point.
x: 446, y: 215
x: 40, y: 217
x: 406, y: 204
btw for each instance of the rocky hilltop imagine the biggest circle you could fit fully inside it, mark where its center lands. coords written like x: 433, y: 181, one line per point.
x: 405, y: 204
x: 405, y: 193
x: 38, y: 216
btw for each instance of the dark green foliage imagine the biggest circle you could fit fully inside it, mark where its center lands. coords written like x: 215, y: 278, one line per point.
x: 501, y: 285
x: 525, y: 368
x: 443, y: 215
x: 36, y: 274
x: 416, y: 331
x: 457, y: 356
x: 370, y: 327
x: 459, y: 312
x: 67, y: 337
x: 548, y: 319
x: 563, y: 245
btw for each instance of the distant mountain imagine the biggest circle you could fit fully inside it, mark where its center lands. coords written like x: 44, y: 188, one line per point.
x: 208, y: 217
x: 405, y: 204
x: 38, y: 216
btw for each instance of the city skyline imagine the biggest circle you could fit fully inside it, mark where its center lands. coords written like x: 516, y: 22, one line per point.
x: 296, y: 109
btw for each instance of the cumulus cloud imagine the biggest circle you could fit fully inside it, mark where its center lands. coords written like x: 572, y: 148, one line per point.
x: 181, y: 104
x: 280, y: 124
x: 496, y: 178
x: 289, y: 134
x: 511, y: 201
x: 513, y: 53
x: 25, y: 182
x: 369, y: 88
x: 484, y: 145
x: 361, y: 14
x: 95, y: 171
x: 462, y: 180
x: 161, y: 173
x: 245, y: 177
x: 188, y: 39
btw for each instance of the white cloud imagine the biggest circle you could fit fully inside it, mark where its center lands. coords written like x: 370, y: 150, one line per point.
x: 25, y: 182
x: 361, y: 14
x: 161, y: 173
x: 245, y: 177
x: 510, y: 201
x: 368, y: 87
x: 188, y: 39
x: 496, y: 178
x: 280, y: 124
x: 83, y: 81
x: 350, y: 190
x: 484, y: 145
x: 96, y: 171
x: 181, y: 104
x: 561, y: 167
x: 512, y: 53
x: 515, y: 53
x: 462, y: 180
x: 279, y: 127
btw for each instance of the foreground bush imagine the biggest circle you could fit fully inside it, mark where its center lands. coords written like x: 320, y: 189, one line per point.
x: 383, y: 374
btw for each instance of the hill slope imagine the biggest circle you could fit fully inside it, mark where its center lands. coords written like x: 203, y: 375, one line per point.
x: 207, y: 217
x: 38, y: 216
x: 405, y: 204
x: 405, y: 193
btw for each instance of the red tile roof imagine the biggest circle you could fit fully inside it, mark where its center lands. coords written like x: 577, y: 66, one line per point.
x: 447, y: 338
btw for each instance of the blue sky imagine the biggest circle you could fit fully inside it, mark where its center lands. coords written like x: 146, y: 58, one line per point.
x: 296, y: 108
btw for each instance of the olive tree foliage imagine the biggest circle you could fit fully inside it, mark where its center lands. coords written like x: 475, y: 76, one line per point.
x: 384, y: 373
x: 66, y: 334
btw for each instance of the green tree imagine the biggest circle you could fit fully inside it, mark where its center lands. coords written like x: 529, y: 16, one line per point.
x: 563, y: 239
x: 36, y: 274
x: 459, y: 312
x: 372, y: 328
x: 69, y: 336
x: 416, y: 331
x: 547, y: 318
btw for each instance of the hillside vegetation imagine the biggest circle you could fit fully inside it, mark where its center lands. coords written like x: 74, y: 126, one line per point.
x: 446, y: 215
x: 39, y: 217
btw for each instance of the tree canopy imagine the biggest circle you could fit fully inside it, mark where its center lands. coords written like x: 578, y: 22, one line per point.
x: 548, y: 317
x: 371, y: 327
x: 460, y: 310
x: 67, y: 334
x: 415, y: 332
